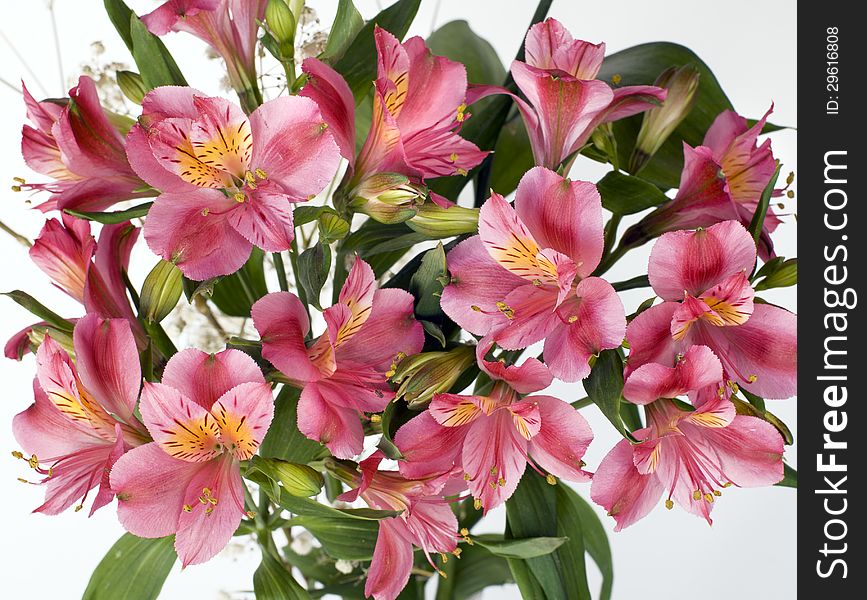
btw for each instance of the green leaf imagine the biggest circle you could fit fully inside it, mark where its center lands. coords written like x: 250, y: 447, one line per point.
x: 236, y: 293
x: 347, y: 24
x: 348, y: 539
x: 110, y: 218
x: 332, y: 227
x: 156, y: 66
x: 374, y: 242
x: 358, y: 64
x: 273, y: 581
x: 604, y: 386
x: 476, y: 570
x: 457, y: 41
x: 625, y: 194
x: 640, y: 281
x: 314, y: 264
x: 758, y: 219
x: 119, y: 14
x: 790, y: 477
x: 641, y: 65
x: 37, y: 308
x: 386, y: 443
x: 518, y: 548
x: 514, y: 155
x: 595, y: 539
x: 134, y: 569
x: 286, y: 442
x: 427, y: 284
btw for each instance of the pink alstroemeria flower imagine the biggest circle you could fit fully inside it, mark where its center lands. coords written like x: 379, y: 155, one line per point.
x: 494, y: 437
x: 566, y: 101
x: 90, y: 272
x: 228, y: 182
x: 343, y: 373
x: 419, y: 104
x: 228, y: 26
x: 526, y: 276
x: 82, y: 419
x: 723, y: 179
x: 210, y: 412
x: 691, y: 454
x: 708, y: 300
x: 81, y: 148
x: 426, y: 520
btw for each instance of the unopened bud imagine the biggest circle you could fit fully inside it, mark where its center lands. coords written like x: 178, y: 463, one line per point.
x: 344, y: 470
x: 388, y: 198
x: 420, y: 376
x: 161, y: 291
x: 132, y: 86
x: 437, y: 222
x: 660, y: 122
x: 298, y: 480
x: 281, y: 22
x: 782, y: 274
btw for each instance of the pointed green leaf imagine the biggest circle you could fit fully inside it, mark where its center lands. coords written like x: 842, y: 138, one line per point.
x: 155, y: 64
x: 314, y: 264
x: 37, y: 308
x: 518, y: 548
x: 604, y: 387
x: 286, y: 442
x: 625, y: 194
x: 347, y: 23
x: 273, y: 581
x: 110, y: 218
x: 134, y: 569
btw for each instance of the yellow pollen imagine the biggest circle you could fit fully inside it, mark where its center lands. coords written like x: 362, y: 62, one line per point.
x: 251, y: 514
x: 375, y: 418
x: 669, y: 504
x: 16, y: 188
x: 709, y: 498
x: 442, y: 573
x: 460, y: 171
x: 727, y: 484
x: 249, y: 177
x: 477, y: 503
x: 501, y: 482
x: 21, y: 179
x: 752, y: 378
x: 188, y: 508
x: 17, y: 454
x: 445, y: 557
x: 464, y: 532
x: 453, y: 156
x: 475, y: 308
x: 239, y: 196
x: 22, y: 480
x: 467, y: 477
x: 33, y: 462
x: 537, y: 282
x: 616, y: 79
x: 506, y: 310
x: 789, y: 179
x: 717, y: 493
x: 79, y: 507
x: 551, y: 479
x: 461, y: 116
x: 261, y: 174
x: 572, y: 319
x: 696, y: 495
x: 494, y: 471
x: 209, y: 510
x: 206, y: 212
x: 790, y: 194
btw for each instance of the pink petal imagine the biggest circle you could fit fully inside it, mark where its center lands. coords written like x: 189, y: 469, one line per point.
x: 204, y: 378
x: 105, y: 494
x: 244, y: 414
x: 392, y: 562
x: 74, y: 476
x: 693, y: 261
x: 108, y: 364
x: 150, y: 487
x: 619, y: 488
x: 329, y: 90
x: 633, y: 99
x: 142, y: 160
x: 338, y: 427
x: 476, y: 280
x: 530, y: 376
x: 494, y: 453
x: 357, y: 295
x: 209, y: 526
x: 183, y: 429
x: 265, y: 218
x: 192, y: 230
x: 533, y: 316
x: 220, y: 135
x: 282, y: 323
x: 699, y: 368
x: 649, y: 337
x: 592, y: 321
x: 453, y: 410
x: 165, y: 18
x: 63, y: 252
x: 428, y: 447
x: 292, y: 145
x: 562, y: 214
x: 390, y: 329
x: 433, y: 525
x: 562, y: 439
x: 361, y: 390
x: 550, y: 46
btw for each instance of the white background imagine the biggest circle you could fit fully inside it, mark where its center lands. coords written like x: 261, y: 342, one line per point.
x: 750, y: 46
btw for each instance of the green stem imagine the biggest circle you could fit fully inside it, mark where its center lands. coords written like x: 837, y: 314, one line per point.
x: 281, y: 271
x: 609, y: 261
x: 640, y: 281
x: 299, y: 289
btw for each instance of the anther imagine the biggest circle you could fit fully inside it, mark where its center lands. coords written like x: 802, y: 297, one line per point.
x: 261, y: 174
x: 551, y: 479
x: 477, y: 503
x: 239, y: 196
x: 669, y: 504
x: 696, y: 495
x: 375, y: 418
x: 188, y: 508
x: 709, y: 498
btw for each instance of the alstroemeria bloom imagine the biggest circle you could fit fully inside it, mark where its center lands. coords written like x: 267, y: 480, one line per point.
x: 708, y: 300
x: 210, y: 412
x: 494, y: 437
x: 342, y: 373
x: 526, y: 276
x: 418, y: 107
x: 566, y: 101
x: 81, y: 149
x: 90, y: 272
x: 82, y: 419
x: 228, y: 182
x: 426, y: 521
x: 690, y: 454
x: 723, y: 179
x: 228, y: 26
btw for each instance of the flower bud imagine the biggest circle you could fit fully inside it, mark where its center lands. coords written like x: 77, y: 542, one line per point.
x: 37, y: 334
x: 344, y: 470
x: 420, y: 376
x: 298, y: 480
x: 388, y: 198
x: 132, y: 86
x: 161, y: 291
x: 778, y: 273
x: 281, y: 22
x: 437, y: 222
x: 660, y: 122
